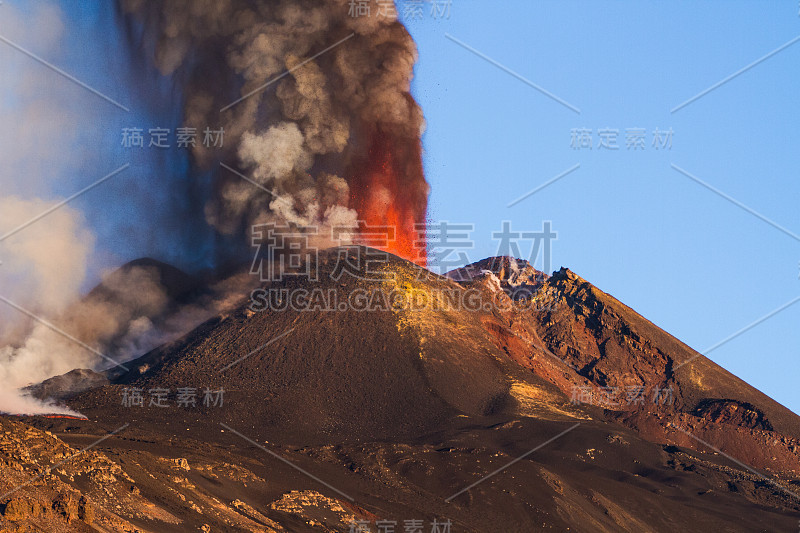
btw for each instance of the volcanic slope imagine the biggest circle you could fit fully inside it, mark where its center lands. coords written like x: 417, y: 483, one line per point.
x: 599, y: 351
x: 390, y: 413
x: 365, y: 372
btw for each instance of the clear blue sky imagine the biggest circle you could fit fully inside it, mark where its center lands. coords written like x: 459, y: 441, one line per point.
x: 692, y: 262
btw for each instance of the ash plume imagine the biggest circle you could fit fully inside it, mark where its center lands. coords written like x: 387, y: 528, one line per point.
x: 314, y: 102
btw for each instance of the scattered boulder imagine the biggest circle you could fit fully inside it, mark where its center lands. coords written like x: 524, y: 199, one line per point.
x: 21, y: 508
x: 72, y: 507
x: 725, y: 411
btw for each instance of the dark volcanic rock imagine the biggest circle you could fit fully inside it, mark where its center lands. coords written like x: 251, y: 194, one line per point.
x: 176, y: 284
x: 740, y: 414
x: 335, y: 375
x: 516, y: 277
x: 67, y: 385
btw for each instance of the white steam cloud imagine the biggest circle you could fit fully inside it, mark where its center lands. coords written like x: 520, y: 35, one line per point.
x: 43, y: 265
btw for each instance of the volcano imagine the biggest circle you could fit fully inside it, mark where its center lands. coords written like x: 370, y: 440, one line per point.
x: 494, y: 398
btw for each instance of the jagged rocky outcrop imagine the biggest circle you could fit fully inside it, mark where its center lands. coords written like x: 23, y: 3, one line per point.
x: 516, y: 277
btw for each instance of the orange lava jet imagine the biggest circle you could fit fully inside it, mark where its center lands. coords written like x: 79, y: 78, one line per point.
x: 390, y: 191
x: 68, y: 417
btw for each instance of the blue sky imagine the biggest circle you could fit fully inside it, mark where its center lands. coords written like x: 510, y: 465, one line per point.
x: 691, y: 261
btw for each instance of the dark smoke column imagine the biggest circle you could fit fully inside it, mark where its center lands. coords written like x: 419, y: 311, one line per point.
x: 315, y: 105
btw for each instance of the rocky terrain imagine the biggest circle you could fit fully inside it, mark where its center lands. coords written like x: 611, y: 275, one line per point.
x: 496, y: 398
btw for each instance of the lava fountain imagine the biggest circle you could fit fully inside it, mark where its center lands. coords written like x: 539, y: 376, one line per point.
x: 388, y: 190
x: 335, y: 138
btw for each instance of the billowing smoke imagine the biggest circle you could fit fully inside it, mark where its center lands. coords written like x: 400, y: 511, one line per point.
x: 315, y: 105
x: 320, y: 130
x: 135, y: 309
x: 33, y: 272
x: 43, y: 265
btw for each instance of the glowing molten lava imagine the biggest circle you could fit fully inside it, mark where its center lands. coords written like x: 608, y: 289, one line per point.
x: 390, y: 191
